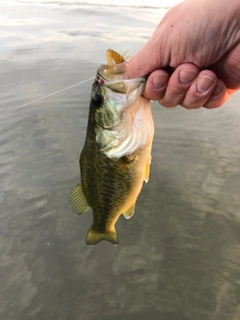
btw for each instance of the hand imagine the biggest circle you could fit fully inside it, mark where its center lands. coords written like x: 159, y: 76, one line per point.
x: 193, y: 57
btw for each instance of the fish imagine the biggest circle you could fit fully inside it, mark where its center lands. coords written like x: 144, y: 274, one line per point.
x: 116, y: 156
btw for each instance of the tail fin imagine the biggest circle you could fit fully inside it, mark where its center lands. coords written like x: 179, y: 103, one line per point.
x: 93, y: 237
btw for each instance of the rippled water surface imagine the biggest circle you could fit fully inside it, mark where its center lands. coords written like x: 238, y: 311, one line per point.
x: 179, y: 256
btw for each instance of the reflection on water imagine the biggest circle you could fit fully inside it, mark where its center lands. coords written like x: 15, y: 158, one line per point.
x: 178, y: 257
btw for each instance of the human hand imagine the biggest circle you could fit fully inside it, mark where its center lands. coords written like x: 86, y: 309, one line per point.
x: 193, y: 57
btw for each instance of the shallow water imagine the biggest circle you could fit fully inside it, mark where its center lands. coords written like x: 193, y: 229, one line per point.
x: 179, y: 256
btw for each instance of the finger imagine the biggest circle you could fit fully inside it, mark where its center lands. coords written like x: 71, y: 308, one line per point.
x: 200, y: 90
x: 218, y: 96
x: 156, y: 85
x: 178, y: 85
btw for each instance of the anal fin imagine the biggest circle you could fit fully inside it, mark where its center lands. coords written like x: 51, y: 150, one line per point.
x: 130, y: 212
x: 94, y: 237
x: 77, y: 201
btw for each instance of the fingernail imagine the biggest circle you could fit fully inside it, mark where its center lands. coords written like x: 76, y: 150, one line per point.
x: 186, y: 76
x: 204, y: 82
x: 159, y: 81
x: 217, y: 90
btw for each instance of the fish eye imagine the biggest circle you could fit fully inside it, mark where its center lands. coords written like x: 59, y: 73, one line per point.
x: 97, y: 99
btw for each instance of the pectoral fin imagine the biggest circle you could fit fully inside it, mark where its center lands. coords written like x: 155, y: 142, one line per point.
x: 147, y: 169
x: 93, y: 237
x: 130, y: 212
x: 77, y: 201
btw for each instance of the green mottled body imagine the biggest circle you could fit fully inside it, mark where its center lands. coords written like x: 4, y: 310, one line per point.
x: 116, y: 156
x: 111, y: 187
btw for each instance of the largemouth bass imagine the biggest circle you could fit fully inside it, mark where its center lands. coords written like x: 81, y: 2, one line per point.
x: 116, y: 156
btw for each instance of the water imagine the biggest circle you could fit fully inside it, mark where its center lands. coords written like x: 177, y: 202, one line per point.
x: 179, y: 256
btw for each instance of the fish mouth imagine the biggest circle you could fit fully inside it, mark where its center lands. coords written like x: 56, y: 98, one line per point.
x: 117, y: 72
x: 113, y: 72
x: 114, y: 77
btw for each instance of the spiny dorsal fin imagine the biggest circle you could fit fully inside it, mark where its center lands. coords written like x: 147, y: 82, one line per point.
x: 77, y: 201
x: 94, y: 237
x: 130, y: 212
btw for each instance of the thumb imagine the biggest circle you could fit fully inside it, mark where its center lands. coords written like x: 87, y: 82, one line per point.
x: 228, y: 69
x: 145, y: 61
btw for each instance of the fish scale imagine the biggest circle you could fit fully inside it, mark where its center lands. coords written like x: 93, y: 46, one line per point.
x: 116, y: 155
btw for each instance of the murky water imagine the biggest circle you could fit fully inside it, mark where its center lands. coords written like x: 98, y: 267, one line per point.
x: 179, y: 256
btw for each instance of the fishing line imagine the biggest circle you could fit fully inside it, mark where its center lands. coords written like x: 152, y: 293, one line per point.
x: 48, y: 95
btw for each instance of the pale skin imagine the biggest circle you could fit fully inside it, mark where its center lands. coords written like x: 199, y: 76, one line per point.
x: 193, y: 56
